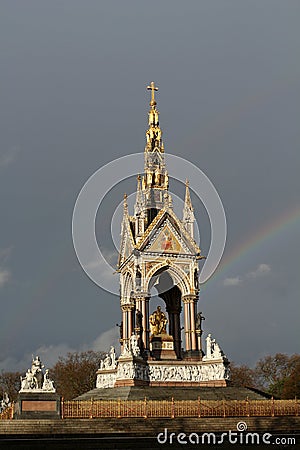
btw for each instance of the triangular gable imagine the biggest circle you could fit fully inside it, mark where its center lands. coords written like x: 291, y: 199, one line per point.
x: 166, y: 241
x: 166, y: 234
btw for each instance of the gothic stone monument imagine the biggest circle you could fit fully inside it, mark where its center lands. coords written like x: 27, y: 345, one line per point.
x: 158, y: 249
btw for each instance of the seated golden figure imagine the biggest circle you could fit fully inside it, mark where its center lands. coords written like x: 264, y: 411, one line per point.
x: 158, y: 322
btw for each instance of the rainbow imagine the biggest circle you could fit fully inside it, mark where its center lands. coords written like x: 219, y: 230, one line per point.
x: 268, y: 231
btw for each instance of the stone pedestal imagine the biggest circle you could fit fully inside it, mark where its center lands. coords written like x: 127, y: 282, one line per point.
x: 162, y: 347
x: 135, y: 371
x: 162, y: 367
x: 132, y: 371
x: 192, y: 355
x: 106, y: 378
x: 38, y: 405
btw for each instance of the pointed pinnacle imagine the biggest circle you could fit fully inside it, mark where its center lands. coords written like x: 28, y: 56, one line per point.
x: 188, y: 201
x: 125, y: 204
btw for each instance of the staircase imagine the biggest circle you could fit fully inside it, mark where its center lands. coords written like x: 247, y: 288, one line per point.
x: 135, y: 433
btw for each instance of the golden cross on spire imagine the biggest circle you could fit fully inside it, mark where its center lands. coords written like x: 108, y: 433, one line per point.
x: 153, y: 88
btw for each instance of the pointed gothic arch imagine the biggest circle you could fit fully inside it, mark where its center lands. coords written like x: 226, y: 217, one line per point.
x: 179, y: 277
x: 127, y: 285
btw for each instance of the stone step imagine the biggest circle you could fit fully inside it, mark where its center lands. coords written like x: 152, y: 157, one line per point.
x: 178, y: 393
x: 145, y: 427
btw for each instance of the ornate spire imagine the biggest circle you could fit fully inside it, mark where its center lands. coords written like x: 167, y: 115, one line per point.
x: 139, y: 202
x: 153, y: 89
x: 125, y: 205
x: 125, y: 214
x: 188, y: 211
x: 155, y: 180
x: 188, y: 201
x: 154, y: 133
x: 139, y: 210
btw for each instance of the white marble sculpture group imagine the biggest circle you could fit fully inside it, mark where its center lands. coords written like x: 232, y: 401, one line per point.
x: 109, y: 361
x: 213, y: 367
x: 213, y: 350
x: 36, y: 380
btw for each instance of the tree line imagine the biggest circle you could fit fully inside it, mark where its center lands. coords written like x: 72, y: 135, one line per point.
x: 277, y: 375
x: 74, y: 374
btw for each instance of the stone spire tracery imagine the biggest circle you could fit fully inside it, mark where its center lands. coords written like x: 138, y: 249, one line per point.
x: 188, y: 211
x: 139, y: 210
x: 155, y: 181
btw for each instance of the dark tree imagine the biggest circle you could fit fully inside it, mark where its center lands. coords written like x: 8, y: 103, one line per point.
x: 76, y: 373
x: 273, y: 372
x: 10, y: 382
x: 291, y: 387
x: 243, y: 376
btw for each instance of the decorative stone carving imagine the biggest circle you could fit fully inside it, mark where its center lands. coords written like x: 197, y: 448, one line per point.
x: 132, y: 370
x: 129, y: 370
x: 112, y: 354
x: 213, y: 350
x: 125, y: 370
x: 135, y: 349
x: 126, y: 352
x: 5, y: 402
x: 208, y: 347
x: 199, y: 320
x: 35, y: 380
x: 217, y: 352
x: 213, y: 367
x: 106, y: 380
x: 138, y: 277
x: 192, y: 373
x: 47, y: 383
x: 109, y: 361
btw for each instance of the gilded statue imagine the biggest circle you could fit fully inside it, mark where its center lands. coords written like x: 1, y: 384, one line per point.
x: 158, y: 322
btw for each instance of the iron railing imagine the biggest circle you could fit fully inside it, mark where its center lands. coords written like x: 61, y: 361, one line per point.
x: 179, y: 408
x: 89, y: 409
x: 8, y: 413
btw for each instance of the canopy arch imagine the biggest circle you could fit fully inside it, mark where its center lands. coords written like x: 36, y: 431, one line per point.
x: 127, y: 285
x: 178, y: 276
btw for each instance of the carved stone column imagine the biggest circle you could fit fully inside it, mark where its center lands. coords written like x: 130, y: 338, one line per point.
x: 130, y: 321
x: 127, y: 313
x: 146, y: 331
x: 187, y: 324
x: 123, y: 328
x: 124, y: 320
x: 193, y: 302
x: 175, y: 331
x: 138, y: 305
x: 190, y: 302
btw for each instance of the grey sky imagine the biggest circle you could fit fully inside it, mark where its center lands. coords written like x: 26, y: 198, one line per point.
x: 73, y: 77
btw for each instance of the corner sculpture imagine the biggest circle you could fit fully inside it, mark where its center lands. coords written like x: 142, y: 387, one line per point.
x: 109, y: 361
x: 35, y: 379
x: 5, y: 402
